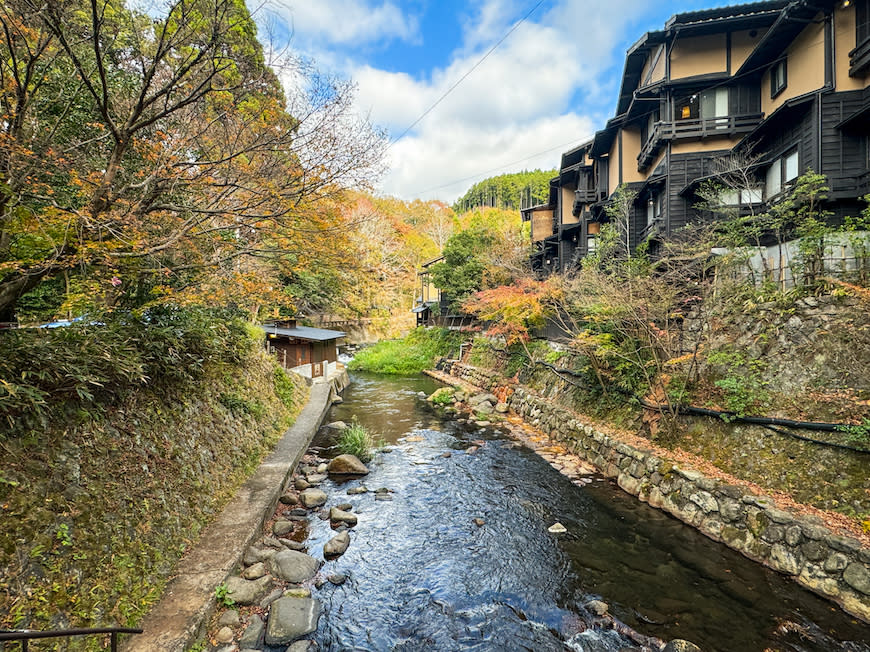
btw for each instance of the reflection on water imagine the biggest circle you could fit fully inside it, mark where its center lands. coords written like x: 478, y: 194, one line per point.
x: 423, y: 576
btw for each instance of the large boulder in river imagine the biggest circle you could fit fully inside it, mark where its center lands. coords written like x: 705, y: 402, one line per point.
x: 290, y: 619
x: 336, y: 426
x: 293, y: 566
x: 347, y: 465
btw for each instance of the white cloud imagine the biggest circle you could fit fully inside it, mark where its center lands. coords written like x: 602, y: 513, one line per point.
x: 345, y: 21
x: 541, y: 89
x: 443, y: 163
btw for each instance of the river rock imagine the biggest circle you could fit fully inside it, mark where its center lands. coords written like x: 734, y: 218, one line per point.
x: 347, y: 465
x: 254, y: 572
x: 291, y: 618
x: 337, y: 545
x: 321, y: 468
x: 289, y: 499
x: 224, y: 635
x: 336, y: 426
x: 294, y: 545
x: 272, y: 542
x: 477, y: 399
x: 679, y: 645
x: 301, y: 646
x: 297, y: 592
x: 337, y: 515
x: 313, y: 498
x: 229, y: 618
x: 355, y: 491
x: 257, y: 553
x: 337, y: 579
x: 479, y: 522
x: 597, y: 607
x: 280, y: 528
x: 245, y: 592
x: 269, y: 599
x: 293, y: 566
x: 251, y: 637
x: 345, y: 507
x: 557, y: 528
x: 301, y: 484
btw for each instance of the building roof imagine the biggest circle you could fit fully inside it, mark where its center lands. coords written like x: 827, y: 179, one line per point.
x: 725, y: 13
x: 790, y: 22
x: 304, y: 333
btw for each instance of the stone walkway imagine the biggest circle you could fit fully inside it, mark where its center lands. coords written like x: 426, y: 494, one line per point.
x: 175, y: 622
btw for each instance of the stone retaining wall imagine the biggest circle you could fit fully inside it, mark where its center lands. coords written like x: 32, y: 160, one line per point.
x: 800, y: 546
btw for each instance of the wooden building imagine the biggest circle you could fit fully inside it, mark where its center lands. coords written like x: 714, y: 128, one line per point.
x: 788, y: 81
x: 295, y: 346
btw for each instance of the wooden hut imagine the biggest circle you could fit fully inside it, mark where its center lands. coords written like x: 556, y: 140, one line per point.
x: 295, y: 346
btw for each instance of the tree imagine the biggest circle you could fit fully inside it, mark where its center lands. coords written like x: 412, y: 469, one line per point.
x: 151, y: 150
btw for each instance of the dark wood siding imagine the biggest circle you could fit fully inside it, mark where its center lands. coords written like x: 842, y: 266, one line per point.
x: 844, y: 151
x: 797, y: 128
x: 684, y: 169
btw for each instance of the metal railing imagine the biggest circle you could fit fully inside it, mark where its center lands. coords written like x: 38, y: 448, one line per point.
x: 27, y: 635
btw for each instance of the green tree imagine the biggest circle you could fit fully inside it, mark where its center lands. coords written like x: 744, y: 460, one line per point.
x: 460, y: 274
x: 159, y: 150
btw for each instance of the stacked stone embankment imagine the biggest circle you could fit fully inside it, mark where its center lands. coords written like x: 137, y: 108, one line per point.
x: 797, y: 545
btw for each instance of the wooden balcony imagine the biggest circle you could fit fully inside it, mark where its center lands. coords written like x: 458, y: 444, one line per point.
x: 859, y: 59
x: 663, y: 132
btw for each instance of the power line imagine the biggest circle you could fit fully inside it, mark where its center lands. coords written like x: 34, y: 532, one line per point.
x: 462, y: 79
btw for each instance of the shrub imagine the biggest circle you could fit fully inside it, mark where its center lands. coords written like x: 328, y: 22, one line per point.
x: 358, y: 441
x: 410, y: 355
x: 52, y: 375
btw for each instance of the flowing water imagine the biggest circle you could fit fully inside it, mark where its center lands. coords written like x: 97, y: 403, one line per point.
x: 422, y: 575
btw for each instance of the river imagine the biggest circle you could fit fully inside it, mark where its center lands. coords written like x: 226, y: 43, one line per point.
x: 422, y: 575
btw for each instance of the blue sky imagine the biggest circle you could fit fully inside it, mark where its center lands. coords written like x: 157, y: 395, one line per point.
x: 548, y: 86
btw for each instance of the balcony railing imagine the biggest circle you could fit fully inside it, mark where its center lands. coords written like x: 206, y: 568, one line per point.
x: 699, y: 128
x: 859, y: 58
x: 857, y: 186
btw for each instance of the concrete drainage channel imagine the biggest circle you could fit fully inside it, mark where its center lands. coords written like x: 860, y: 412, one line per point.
x: 179, y: 620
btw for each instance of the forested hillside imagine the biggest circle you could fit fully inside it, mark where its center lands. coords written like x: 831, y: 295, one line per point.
x: 508, y: 191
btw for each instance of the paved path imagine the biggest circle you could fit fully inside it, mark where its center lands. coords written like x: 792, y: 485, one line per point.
x: 174, y: 623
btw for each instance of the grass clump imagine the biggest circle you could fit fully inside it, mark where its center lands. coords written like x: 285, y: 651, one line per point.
x: 357, y: 440
x: 408, y: 356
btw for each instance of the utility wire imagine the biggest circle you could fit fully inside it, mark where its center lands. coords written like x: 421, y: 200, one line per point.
x: 462, y: 79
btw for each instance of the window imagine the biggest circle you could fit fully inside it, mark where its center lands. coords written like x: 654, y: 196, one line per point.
x: 780, y: 172
x: 653, y: 209
x: 707, y: 105
x: 778, y: 78
x: 743, y: 197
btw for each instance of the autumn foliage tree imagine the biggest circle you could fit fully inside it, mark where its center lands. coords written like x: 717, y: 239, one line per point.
x: 140, y: 152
